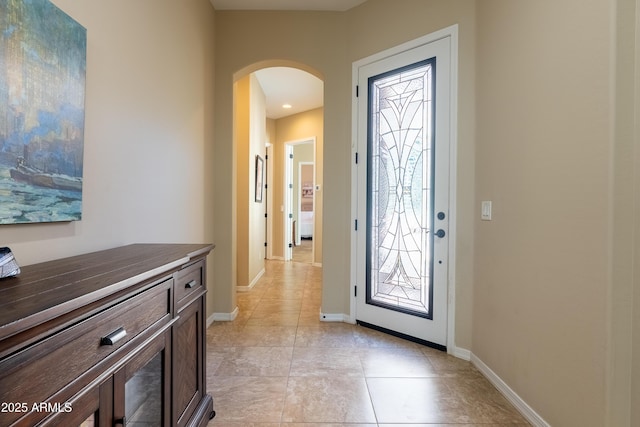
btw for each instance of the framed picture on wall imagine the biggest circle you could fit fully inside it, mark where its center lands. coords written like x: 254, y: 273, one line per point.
x: 259, y: 178
x: 43, y: 61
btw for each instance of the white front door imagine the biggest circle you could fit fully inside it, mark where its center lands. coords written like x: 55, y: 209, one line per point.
x: 403, y: 136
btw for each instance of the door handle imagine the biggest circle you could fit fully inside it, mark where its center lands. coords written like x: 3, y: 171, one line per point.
x: 440, y: 233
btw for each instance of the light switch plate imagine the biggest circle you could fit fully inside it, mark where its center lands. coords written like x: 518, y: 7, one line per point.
x: 486, y: 210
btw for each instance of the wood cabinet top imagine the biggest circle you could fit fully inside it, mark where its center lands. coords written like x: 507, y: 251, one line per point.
x: 50, y: 289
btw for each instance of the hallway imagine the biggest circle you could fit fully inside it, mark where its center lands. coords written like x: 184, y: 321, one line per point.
x: 278, y: 365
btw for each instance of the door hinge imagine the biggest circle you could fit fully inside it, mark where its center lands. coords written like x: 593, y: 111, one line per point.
x: 356, y: 224
x: 290, y: 245
x: 355, y: 291
x: 290, y: 215
x: 266, y: 215
x: 356, y: 158
x: 291, y: 156
x: 265, y: 244
x: 357, y: 91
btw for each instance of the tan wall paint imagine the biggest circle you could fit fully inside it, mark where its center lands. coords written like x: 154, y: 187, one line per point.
x: 242, y: 129
x: 257, y: 147
x: 635, y: 362
x: 544, y: 156
x: 619, y: 379
x: 271, y: 206
x: 250, y: 138
x: 148, y: 133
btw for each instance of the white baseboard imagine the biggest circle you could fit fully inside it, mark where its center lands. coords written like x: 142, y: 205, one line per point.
x: 527, y: 411
x: 335, y: 317
x: 252, y: 284
x: 223, y: 317
x: 460, y: 353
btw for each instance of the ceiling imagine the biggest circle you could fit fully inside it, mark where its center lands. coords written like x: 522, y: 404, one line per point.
x: 284, y: 85
x: 328, y: 5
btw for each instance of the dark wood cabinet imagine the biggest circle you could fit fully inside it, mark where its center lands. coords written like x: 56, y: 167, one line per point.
x: 188, y: 333
x: 111, y: 338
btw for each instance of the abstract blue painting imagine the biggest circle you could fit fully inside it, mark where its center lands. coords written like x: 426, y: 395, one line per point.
x: 42, y: 88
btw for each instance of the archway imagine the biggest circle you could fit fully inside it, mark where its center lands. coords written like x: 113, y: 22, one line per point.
x: 260, y: 149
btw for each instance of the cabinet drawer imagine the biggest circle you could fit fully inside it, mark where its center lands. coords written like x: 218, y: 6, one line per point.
x: 38, y: 372
x: 188, y: 281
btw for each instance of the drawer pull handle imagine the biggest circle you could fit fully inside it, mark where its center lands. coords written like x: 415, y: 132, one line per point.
x: 190, y: 285
x: 113, y: 337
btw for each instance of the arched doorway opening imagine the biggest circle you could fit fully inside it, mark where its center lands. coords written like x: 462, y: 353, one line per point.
x: 275, y: 209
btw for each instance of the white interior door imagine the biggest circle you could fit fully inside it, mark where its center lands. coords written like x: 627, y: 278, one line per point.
x: 288, y: 203
x: 403, y: 136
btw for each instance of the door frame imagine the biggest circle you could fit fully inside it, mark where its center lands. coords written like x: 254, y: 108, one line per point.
x: 288, y: 203
x: 452, y: 32
x: 269, y: 212
x: 298, y: 189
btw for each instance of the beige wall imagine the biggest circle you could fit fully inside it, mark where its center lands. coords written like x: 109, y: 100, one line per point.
x: 545, y: 155
x: 148, y: 130
x: 633, y: 56
x: 257, y: 147
x: 242, y: 128
x: 621, y: 404
x: 250, y: 137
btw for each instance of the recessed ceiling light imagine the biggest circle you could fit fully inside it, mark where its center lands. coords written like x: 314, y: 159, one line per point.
x: 287, y: 106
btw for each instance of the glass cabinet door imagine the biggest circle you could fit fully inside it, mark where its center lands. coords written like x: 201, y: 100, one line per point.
x: 141, y: 387
x: 143, y: 395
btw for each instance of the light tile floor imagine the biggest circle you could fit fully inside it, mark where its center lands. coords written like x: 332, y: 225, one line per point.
x: 277, y: 365
x: 304, y: 251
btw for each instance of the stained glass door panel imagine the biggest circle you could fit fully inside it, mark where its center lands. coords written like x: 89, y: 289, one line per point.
x: 400, y: 189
